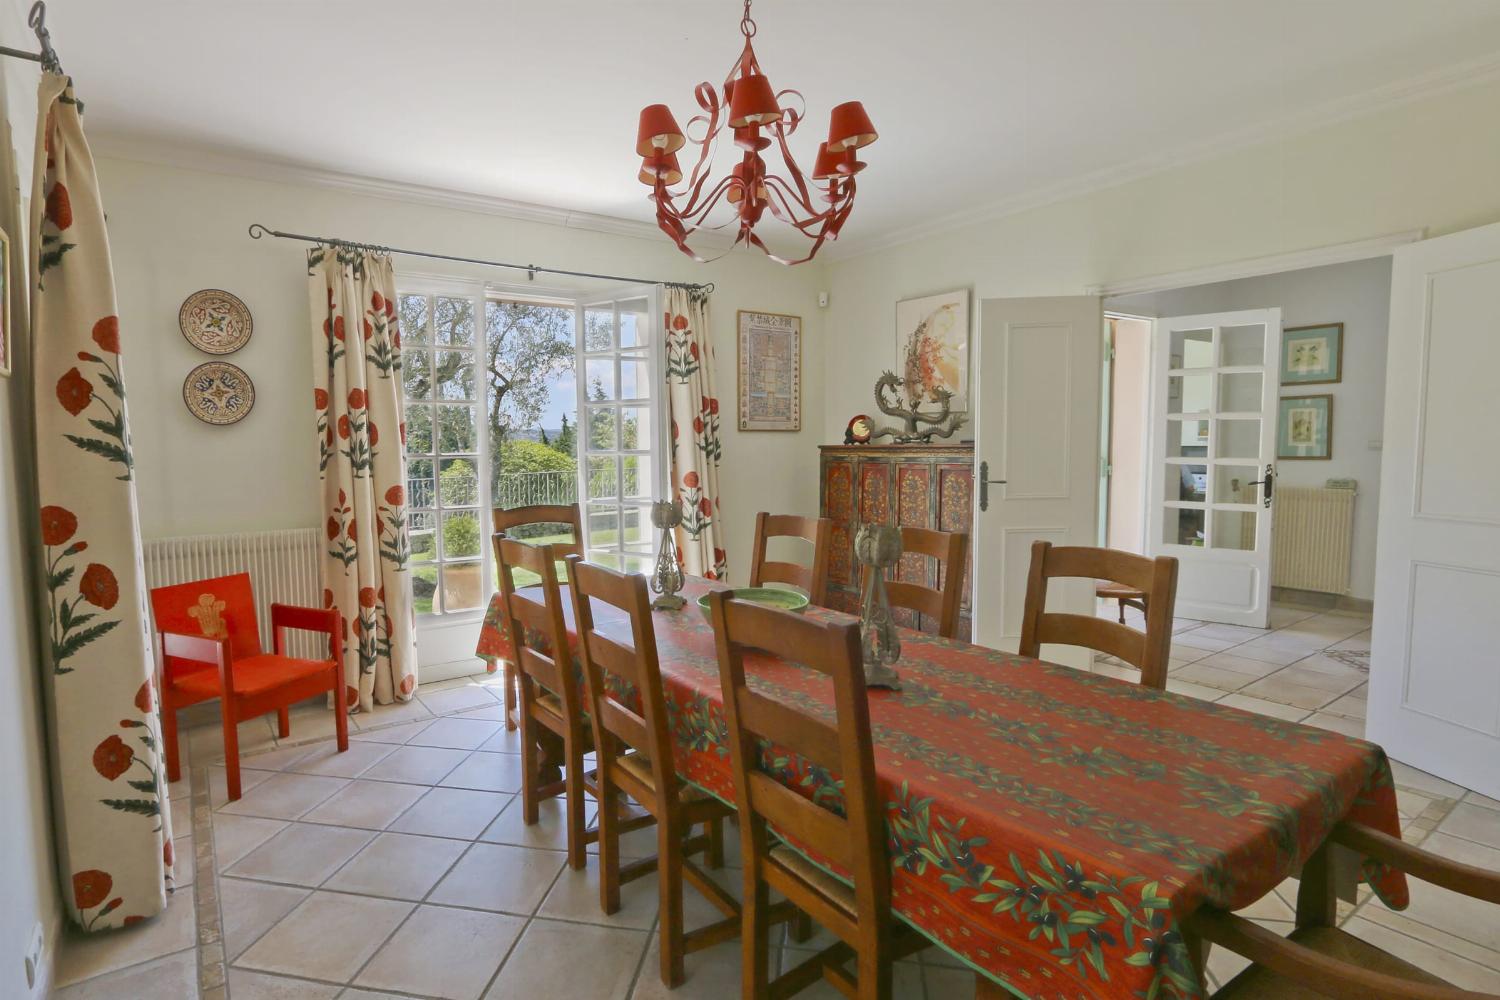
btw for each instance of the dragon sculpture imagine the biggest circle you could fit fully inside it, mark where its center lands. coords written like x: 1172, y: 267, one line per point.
x: 889, y: 385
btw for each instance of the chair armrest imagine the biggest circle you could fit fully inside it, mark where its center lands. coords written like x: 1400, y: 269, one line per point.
x: 1312, y: 969
x: 324, y: 620
x: 1479, y: 883
x: 198, y: 649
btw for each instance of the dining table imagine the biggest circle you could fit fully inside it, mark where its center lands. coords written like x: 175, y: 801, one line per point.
x: 1048, y: 826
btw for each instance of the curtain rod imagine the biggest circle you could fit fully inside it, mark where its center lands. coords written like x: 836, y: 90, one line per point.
x: 257, y: 231
x: 37, y: 21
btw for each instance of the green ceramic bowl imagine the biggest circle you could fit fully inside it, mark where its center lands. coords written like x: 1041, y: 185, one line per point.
x: 770, y: 597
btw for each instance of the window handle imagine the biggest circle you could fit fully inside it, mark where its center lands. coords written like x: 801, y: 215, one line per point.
x: 1269, y: 483
x: 984, y: 485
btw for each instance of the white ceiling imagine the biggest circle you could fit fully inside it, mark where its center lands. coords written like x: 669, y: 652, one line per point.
x: 978, y: 102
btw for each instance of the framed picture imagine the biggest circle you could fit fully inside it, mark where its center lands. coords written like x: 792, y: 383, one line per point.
x: 1305, y: 428
x: 5, y: 331
x: 768, y: 349
x: 1312, y: 355
x: 932, y: 347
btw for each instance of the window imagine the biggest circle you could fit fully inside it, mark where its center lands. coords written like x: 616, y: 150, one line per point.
x: 444, y: 445
x: 544, y: 401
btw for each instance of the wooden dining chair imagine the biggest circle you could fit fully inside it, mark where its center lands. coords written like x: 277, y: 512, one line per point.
x: 550, y: 701
x: 634, y: 758
x: 1318, y: 960
x: 541, y: 515
x: 208, y: 646
x: 813, y: 579
x: 950, y: 550
x: 851, y: 841
x: 1156, y: 578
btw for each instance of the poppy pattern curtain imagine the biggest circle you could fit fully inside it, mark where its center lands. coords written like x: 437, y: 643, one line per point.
x: 361, y: 431
x: 114, y: 835
x: 693, y: 408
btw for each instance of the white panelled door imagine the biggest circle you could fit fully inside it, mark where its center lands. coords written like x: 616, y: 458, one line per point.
x: 1435, y: 670
x: 1036, y: 417
x: 1210, y: 482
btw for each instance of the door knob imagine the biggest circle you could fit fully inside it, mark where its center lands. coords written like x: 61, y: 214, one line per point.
x: 984, y: 485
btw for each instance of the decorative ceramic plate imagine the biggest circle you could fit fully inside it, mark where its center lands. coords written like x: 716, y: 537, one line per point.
x: 217, y: 392
x: 215, y: 321
x: 768, y: 597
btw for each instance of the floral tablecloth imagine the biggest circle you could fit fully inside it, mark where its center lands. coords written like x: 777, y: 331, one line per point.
x: 1047, y: 825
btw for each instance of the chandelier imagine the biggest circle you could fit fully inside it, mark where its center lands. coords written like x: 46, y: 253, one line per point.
x: 759, y: 117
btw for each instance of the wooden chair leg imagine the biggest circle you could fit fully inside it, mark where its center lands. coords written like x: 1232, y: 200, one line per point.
x: 283, y: 723
x: 715, y: 832
x: 669, y: 882
x: 874, y: 974
x: 1122, y: 611
x: 231, y: 748
x: 575, y: 805
x: 800, y: 930
x: 340, y: 709
x: 755, y: 940
x: 508, y: 683
x: 531, y: 765
x: 169, y: 741
x: 609, y: 851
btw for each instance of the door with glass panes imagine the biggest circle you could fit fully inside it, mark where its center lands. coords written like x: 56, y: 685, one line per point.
x: 621, y: 424
x: 1213, y: 441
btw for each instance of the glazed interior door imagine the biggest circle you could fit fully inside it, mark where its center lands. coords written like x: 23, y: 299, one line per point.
x: 1434, y: 677
x: 1036, y: 426
x: 1213, y: 454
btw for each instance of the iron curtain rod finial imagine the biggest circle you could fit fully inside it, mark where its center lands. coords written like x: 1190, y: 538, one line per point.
x: 257, y: 231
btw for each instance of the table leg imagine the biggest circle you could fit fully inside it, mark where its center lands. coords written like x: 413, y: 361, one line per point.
x: 1317, y: 899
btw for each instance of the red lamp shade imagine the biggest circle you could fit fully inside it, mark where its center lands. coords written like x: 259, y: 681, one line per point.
x: 663, y: 166
x: 831, y: 166
x: 850, y: 128
x: 753, y: 102
x: 658, y: 131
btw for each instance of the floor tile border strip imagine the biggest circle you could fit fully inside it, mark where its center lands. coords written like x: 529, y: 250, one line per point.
x: 213, y: 980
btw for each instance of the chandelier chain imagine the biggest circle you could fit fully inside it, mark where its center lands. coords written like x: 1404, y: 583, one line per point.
x: 747, y: 23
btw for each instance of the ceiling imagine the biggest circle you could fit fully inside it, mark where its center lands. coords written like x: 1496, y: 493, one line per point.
x: 979, y: 103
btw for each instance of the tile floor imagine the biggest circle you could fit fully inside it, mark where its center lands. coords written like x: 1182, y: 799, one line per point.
x: 402, y: 868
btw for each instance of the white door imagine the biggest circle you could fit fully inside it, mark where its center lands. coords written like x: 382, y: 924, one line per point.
x: 1036, y: 417
x: 1434, y: 697
x: 1210, y: 480
x: 621, y: 424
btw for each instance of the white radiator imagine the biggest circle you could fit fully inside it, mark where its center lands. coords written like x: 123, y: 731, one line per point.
x: 284, y: 568
x: 1313, y: 538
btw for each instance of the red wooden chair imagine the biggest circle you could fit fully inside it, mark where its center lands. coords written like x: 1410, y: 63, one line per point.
x: 208, y: 646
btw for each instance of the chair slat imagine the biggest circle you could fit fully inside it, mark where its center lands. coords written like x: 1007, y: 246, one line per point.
x: 794, y: 730
x: 813, y: 578
x: 1095, y: 633
x: 799, y: 818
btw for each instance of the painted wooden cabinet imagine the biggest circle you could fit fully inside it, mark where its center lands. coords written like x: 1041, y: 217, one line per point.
x: 919, y: 485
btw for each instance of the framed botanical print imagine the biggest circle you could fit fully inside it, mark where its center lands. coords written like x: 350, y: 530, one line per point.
x: 6, y: 346
x: 1312, y: 355
x: 932, y: 348
x: 1305, y: 427
x: 768, y: 353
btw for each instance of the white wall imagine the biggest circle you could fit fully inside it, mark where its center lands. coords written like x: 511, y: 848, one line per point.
x: 1358, y: 295
x: 178, y: 230
x: 28, y: 867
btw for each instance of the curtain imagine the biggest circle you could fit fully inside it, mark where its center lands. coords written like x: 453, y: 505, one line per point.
x: 362, y: 467
x: 114, y: 834
x: 693, y: 407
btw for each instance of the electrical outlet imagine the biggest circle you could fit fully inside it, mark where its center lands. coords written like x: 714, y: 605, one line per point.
x: 34, y: 957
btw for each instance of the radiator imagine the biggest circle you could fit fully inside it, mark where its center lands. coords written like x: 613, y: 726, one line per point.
x: 284, y: 568
x: 1312, y: 538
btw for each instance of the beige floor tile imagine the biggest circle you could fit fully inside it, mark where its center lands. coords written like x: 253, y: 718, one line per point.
x: 1262, y: 707
x: 172, y: 976
x: 355, y: 994
x: 1331, y: 677
x: 944, y: 983
x: 1454, y: 915
x: 534, y: 969
x: 1237, y: 633
x: 1407, y: 776
x: 1189, y: 689
x: 1252, y: 668
x: 1474, y: 798
x: 504, y: 741
x: 83, y: 956
x: 455, y: 734
x: 1268, y: 907
x: 397, y: 734
x: 452, y: 812
x: 418, y: 765
x: 1196, y: 639
x: 456, y: 699
x: 313, y: 722
x: 206, y: 743
x: 278, y: 759
x: 218, y: 783
x: 1337, y: 724
x: 1475, y: 823
x: 1444, y: 964
x: 1351, y: 705
x: 237, y: 836
x: 325, y: 759
x: 401, y: 711
x: 489, y: 713
x: 575, y: 896
x: 369, y: 805
x: 906, y: 979
x: 1205, y: 674
x: 499, y: 877
x: 284, y: 796
x: 448, y: 953
x: 247, y: 985
x: 1224, y: 965
x: 712, y: 974
x: 398, y: 866
x: 302, y: 854
x: 329, y: 936
x: 251, y: 908
x: 1283, y: 615
x: 1286, y: 692
x: 1410, y: 804
x: 550, y: 831
x: 489, y: 772
x: 1268, y: 651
